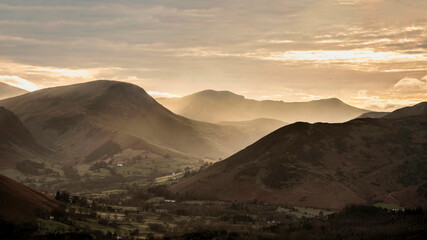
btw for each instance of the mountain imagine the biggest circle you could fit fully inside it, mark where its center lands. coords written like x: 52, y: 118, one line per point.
x: 16, y: 142
x: 373, y: 115
x: 326, y: 165
x: 21, y: 203
x: 219, y: 106
x: 95, y: 120
x: 7, y: 91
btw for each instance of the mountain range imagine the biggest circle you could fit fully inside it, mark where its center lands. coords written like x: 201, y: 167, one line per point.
x: 49, y: 133
x: 219, y: 106
x: 327, y: 165
x: 98, y: 119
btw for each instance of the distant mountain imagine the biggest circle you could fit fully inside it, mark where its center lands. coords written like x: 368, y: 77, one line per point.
x: 21, y: 203
x: 219, y: 106
x: 7, y: 91
x: 327, y: 165
x: 16, y: 142
x: 373, y: 115
x: 98, y: 119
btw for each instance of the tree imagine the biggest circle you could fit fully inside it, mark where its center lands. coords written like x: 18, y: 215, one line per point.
x: 58, y: 196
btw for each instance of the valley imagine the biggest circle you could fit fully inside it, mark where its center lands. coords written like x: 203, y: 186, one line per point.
x: 213, y: 120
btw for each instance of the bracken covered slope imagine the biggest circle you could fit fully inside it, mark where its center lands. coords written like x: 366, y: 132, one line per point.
x: 326, y: 165
x: 21, y: 203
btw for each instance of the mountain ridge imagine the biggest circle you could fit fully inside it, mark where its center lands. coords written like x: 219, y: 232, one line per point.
x: 219, y: 106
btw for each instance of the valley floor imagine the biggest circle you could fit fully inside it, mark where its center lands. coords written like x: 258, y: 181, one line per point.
x: 155, y: 213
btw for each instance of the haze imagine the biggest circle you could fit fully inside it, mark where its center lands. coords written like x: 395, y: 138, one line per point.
x: 371, y: 54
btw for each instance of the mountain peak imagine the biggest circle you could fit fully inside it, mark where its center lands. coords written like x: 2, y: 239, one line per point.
x: 218, y: 94
x: 96, y: 87
x: 330, y: 100
x: 95, y: 94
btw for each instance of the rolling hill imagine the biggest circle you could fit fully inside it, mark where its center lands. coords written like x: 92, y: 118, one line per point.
x: 99, y: 119
x: 327, y: 165
x: 218, y: 106
x: 21, y: 203
x: 7, y: 91
x: 417, y: 110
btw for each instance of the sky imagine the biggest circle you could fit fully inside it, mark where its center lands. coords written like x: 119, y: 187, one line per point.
x: 369, y: 53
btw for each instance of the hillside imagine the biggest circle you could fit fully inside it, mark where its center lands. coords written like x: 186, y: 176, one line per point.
x: 16, y: 142
x: 373, y: 115
x: 21, y: 203
x: 326, y: 165
x: 99, y: 119
x: 219, y: 106
x: 7, y: 91
x: 416, y: 110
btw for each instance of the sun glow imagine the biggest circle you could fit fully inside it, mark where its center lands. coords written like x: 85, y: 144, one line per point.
x: 19, y: 83
x: 85, y: 73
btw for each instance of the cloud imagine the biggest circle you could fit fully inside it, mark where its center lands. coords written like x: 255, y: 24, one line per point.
x: 411, y: 84
x: 311, y: 46
x: 19, y: 82
x: 362, y: 94
x: 406, y: 91
x: 351, y: 56
x: 357, y: 59
x: 290, y: 95
x: 276, y: 41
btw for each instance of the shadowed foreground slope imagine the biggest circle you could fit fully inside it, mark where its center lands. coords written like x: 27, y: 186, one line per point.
x: 21, y: 203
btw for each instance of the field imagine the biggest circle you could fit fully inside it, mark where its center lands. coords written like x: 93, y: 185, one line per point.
x: 98, y: 178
